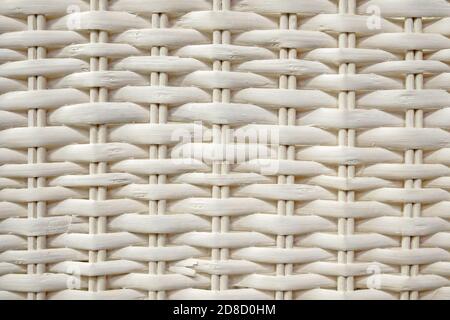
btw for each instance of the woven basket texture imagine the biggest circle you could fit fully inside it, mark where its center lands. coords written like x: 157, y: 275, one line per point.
x: 224, y: 149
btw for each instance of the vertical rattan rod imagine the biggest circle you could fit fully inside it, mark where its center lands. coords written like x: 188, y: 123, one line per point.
x: 36, y: 118
x: 286, y: 116
x: 220, y: 136
x: 98, y: 134
x: 346, y: 137
x: 158, y: 114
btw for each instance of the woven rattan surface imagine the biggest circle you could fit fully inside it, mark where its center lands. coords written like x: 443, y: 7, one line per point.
x: 249, y: 149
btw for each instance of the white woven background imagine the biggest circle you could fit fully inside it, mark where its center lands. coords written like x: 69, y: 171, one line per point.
x: 124, y: 175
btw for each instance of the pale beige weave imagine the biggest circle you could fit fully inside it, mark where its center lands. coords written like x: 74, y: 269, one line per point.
x: 221, y: 149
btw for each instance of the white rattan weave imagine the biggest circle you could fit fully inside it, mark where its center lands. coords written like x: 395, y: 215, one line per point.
x: 221, y: 149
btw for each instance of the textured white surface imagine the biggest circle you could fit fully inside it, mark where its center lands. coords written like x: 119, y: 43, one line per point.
x: 224, y: 149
